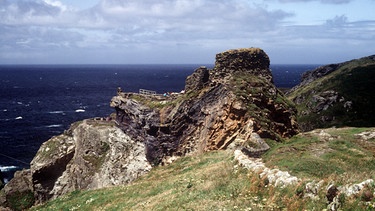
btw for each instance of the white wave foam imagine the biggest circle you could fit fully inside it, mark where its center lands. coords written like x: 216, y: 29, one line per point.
x: 56, y: 112
x: 8, y: 168
x: 52, y: 126
x: 18, y: 118
x: 80, y: 110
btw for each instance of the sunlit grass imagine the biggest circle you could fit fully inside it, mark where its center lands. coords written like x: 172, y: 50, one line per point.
x: 213, y: 181
x: 315, y: 156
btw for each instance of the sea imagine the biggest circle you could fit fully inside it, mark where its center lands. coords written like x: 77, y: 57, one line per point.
x: 41, y: 101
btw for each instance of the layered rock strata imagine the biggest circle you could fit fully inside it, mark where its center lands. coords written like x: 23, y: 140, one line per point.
x: 235, y: 105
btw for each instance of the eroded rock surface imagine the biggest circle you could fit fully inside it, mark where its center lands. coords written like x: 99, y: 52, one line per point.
x: 92, y: 154
x: 235, y: 105
x: 197, y: 80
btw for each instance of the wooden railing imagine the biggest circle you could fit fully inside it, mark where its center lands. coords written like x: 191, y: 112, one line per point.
x: 146, y: 92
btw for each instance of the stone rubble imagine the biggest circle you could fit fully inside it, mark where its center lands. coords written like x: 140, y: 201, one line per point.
x: 311, y: 190
x: 275, y: 176
x: 350, y: 190
x: 366, y: 135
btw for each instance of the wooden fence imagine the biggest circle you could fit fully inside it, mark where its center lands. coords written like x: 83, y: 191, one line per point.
x: 146, y: 92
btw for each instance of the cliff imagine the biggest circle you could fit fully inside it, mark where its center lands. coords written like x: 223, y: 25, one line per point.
x: 91, y: 154
x: 235, y: 105
x: 337, y: 95
x: 227, y: 180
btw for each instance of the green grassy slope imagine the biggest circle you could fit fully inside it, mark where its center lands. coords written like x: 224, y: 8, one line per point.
x: 320, y: 154
x: 213, y: 181
x: 354, y: 84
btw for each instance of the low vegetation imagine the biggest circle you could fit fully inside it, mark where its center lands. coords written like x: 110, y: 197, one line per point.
x: 326, y: 153
x: 263, y: 101
x: 213, y: 181
x: 353, y: 83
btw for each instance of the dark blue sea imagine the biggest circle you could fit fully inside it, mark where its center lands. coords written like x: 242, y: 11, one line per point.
x: 40, y: 101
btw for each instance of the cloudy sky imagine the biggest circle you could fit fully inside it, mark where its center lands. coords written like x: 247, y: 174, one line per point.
x: 183, y: 31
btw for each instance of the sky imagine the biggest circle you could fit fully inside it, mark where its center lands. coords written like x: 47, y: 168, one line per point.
x: 183, y: 31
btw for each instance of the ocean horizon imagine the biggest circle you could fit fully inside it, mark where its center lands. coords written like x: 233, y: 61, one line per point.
x: 41, y: 101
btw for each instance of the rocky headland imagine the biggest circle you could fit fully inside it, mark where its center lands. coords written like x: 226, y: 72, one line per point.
x: 336, y: 95
x: 235, y: 105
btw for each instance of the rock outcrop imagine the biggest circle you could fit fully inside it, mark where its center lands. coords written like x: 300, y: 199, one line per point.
x: 336, y: 95
x: 235, y: 105
x: 95, y: 155
x: 18, y: 193
x: 197, y: 80
x: 313, y: 75
x: 246, y: 60
x: 2, y: 183
x: 91, y: 154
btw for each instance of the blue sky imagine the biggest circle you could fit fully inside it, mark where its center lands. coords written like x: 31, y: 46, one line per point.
x: 183, y: 31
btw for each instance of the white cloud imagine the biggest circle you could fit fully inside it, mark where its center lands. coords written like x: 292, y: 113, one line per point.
x: 29, y: 12
x: 184, y: 15
x: 56, y: 4
x: 322, y: 1
x: 195, y: 29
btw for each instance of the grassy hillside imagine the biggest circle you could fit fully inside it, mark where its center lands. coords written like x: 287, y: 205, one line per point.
x: 214, y: 181
x: 338, y: 153
x: 344, y: 97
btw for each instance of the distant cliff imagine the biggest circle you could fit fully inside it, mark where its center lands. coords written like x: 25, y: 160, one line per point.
x: 337, y: 95
x: 234, y: 105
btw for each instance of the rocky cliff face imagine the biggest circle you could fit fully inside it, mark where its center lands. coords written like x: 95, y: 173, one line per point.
x: 96, y: 154
x: 235, y: 105
x: 91, y: 154
x: 337, y: 95
x: 231, y: 105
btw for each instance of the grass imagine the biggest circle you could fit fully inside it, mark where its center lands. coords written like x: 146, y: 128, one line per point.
x: 20, y: 201
x: 148, y: 101
x: 263, y: 101
x: 310, y: 155
x: 200, y: 183
x: 207, y: 182
x: 155, y: 102
x: 213, y: 181
x: 354, y: 82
